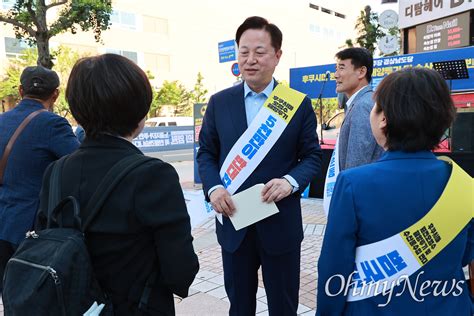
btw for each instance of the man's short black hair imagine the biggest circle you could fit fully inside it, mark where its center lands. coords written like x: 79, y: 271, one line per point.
x: 39, y: 82
x: 418, y: 108
x: 259, y: 23
x: 360, y: 57
x: 108, y: 94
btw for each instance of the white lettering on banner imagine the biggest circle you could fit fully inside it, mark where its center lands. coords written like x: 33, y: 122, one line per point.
x: 250, y: 149
x: 414, y: 12
x: 161, y: 139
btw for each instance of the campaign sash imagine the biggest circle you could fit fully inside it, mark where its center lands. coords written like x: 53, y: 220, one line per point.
x: 331, y: 177
x: 380, y: 265
x: 259, y: 138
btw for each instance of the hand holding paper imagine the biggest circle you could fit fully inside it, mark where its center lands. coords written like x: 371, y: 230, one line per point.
x: 276, y: 190
x: 249, y: 207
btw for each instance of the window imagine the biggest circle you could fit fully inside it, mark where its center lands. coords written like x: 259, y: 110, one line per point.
x: 155, y: 25
x: 315, y: 28
x: 340, y: 15
x: 157, y: 63
x: 14, y: 47
x: 313, y: 6
x: 331, y: 33
x: 130, y: 55
x: 133, y: 56
x: 124, y: 19
x: 326, y: 10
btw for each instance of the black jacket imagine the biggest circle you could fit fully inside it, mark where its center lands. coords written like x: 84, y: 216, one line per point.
x: 142, y: 227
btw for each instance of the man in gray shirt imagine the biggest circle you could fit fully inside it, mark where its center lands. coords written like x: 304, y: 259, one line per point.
x: 357, y: 145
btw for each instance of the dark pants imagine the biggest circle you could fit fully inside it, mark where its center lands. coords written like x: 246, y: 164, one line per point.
x: 6, y: 251
x: 281, y: 277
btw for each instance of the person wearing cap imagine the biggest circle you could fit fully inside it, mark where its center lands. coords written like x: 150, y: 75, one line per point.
x: 46, y: 138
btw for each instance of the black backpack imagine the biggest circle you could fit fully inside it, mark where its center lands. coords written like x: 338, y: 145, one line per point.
x: 51, y: 272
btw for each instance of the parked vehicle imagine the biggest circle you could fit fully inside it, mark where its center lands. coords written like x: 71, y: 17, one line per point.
x: 169, y: 121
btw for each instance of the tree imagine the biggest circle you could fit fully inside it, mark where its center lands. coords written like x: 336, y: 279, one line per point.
x: 368, y: 30
x: 175, y: 93
x: 11, y: 79
x: 198, y: 95
x: 65, y: 60
x: 28, y: 18
x: 170, y: 93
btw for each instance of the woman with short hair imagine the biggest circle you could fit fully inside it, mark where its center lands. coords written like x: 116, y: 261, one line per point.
x: 143, y: 229
x: 375, y: 204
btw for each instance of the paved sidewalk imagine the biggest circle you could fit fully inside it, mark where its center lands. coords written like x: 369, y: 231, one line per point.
x: 207, y: 294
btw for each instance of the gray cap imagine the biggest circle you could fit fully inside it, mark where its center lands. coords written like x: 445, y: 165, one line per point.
x: 38, y: 80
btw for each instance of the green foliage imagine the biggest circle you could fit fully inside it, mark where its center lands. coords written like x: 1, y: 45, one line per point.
x: 174, y: 93
x: 65, y: 60
x: 11, y: 80
x: 28, y: 18
x: 369, y: 31
x: 198, y: 95
x: 329, y: 108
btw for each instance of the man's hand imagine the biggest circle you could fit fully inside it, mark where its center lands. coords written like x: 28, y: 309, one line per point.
x: 221, y: 201
x: 275, y: 190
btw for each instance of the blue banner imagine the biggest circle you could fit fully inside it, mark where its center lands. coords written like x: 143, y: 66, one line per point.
x: 227, y: 51
x: 309, y: 80
x: 165, y: 138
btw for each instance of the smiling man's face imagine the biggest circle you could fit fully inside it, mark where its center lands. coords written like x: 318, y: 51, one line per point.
x: 257, y: 58
x: 348, y: 78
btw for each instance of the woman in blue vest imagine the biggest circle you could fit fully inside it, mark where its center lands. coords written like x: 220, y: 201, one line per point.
x: 374, y: 202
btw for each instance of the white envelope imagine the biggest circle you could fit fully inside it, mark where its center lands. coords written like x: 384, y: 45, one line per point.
x: 249, y: 207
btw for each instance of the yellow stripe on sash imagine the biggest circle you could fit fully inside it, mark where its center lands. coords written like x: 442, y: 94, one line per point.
x: 451, y: 213
x: 284, y: 101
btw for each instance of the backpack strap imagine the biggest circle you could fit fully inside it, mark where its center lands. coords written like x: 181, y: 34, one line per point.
x: 8, y: 148
x: 54, y: 196
x: 108, y: 183
x: 55, y: 184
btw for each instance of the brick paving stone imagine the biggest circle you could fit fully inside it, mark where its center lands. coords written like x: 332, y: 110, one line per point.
x: 310, y: 303
x: 309, y: 229
x: 302, y: 309
x: 217, y: 280
x: 205, y: 286
x: 261, y: 292
x: 219, y: 292
x: 261, y: 307
x: 205, y: 275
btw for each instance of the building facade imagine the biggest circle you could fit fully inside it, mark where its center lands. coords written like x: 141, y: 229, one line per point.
x: 174, y: 40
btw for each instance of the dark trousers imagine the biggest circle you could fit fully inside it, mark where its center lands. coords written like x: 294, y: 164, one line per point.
x: 281, y: 277
x: 6, y: 251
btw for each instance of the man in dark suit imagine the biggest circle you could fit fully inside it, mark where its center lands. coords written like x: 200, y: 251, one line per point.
x: 46, y: 138
x: 294, y: 160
